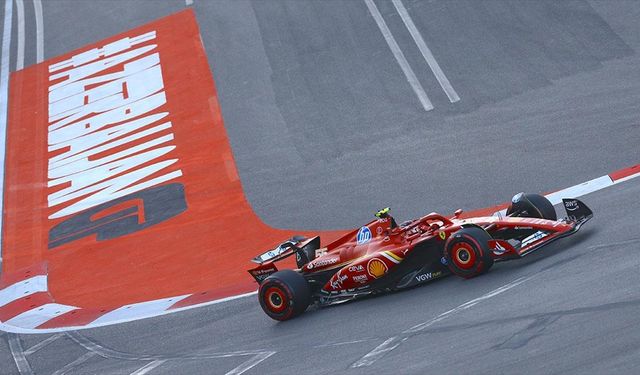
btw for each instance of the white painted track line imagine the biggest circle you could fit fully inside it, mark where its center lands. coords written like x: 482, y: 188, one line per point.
x: 148, y: 367
x: 149, y: 308
x: 393, y: 342
x: 4, y: 100
x: 426, y: 52
x: 37, y: 6
x: 43, y: 343
x: 249, y: 364
x: 39, y: 315
x: 397, y: 53
x: 18, y: 355
x: 23, y: 288
x: 379, y: 351
x: 20, y: 51
x: 75, y: 364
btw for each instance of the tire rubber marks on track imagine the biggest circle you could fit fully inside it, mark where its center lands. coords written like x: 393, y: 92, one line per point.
x: 393, y: 342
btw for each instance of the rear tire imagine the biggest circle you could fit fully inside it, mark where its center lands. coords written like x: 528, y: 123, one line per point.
x: 535, y: 206
x: 284, y: 295
x: 467, y: 252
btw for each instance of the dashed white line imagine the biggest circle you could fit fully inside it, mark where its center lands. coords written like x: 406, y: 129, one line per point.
x: 20, y: 51
x: 400, y: 58
x: 426, y: 52
x: 393, y: 342
x: 18, y: 354
x: 148, y: 367
x: 253, y: 361
x: 37, y: 6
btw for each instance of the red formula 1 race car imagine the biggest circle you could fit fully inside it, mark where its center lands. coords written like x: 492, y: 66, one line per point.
x: 383, y: 256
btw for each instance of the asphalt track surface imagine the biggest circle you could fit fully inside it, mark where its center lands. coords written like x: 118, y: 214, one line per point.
x: 325, y: 129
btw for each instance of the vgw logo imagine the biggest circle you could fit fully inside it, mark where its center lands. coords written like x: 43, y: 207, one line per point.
x: 364, y: 235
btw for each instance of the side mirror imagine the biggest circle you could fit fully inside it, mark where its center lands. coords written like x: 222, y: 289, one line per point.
x: 458, y: 212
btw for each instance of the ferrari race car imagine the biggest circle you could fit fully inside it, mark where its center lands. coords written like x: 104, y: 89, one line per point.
x: 383, y: 256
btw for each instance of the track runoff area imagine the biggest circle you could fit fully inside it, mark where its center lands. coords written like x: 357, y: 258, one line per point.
x: 116, y: 200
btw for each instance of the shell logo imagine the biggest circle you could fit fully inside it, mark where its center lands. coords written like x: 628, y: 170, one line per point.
x: 376, y: 268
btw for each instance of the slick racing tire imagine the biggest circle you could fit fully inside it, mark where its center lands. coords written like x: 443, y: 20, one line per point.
x: 535, y: 206
x: 467, y: 252
x: 284, y: 295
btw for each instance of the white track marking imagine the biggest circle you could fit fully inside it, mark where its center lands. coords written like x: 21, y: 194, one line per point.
x: 20, y: 51
x: 397, y: 53
x: 150, y: 308
x: 18, y: 354
x: 148, y: 367
x: 42, y: 344
x: 466, y: 305
x: 23, y: 288
x: 341, y: 343
x: 379, y: 351
x: 393, y: 342
x: 37, y: 6
x: 129, y: 318
x: 188, y: 2
x: 4, y: 99
x: 39, y: 315
x: 426, y: 52
x: 105, y: 352
x: 73, y: 365
x: 580, y: 190
x: 250, y: 363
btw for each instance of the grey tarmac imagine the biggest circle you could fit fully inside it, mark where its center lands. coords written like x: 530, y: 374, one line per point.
x: 326, y: 130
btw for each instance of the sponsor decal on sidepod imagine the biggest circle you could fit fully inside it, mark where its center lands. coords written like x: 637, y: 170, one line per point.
x: 376, y: 268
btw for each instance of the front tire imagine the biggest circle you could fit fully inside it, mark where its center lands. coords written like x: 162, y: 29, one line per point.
x: 532, y: 205
x: 467, y: 252
x: 284, y: 295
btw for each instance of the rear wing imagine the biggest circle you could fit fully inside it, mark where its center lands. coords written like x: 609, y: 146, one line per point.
x: 284, y: 250
x: 577, y: 211
x: 296, y: 245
